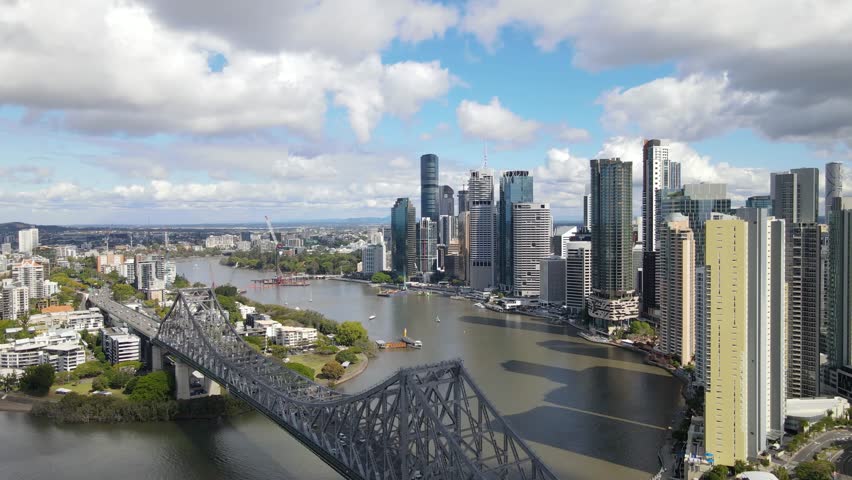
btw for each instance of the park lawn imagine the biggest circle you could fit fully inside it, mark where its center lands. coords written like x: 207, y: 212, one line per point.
x: 316, y: 362
x: 312, y: 360
x: 83, y: 387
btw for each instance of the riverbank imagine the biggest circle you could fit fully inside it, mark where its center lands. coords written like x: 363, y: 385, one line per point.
x: 15, y: 403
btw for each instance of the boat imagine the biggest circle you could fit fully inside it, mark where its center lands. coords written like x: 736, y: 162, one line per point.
x: 418, y: 344
x: 372, y: 317
x: 594, y: 338
x: 478, y: 305
x: 437, y: 319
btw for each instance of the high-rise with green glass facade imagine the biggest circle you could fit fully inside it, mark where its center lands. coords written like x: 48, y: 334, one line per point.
x: 404, y: 238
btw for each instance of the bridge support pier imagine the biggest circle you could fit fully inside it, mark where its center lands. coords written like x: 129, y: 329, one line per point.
x: 156, y: 358
x: 182, y: 374
x: 211, y: 387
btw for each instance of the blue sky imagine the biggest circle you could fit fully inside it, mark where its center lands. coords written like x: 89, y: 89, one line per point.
x: 193, y: 113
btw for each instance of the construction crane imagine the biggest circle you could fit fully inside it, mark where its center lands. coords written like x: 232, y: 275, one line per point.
x: 280, y: 276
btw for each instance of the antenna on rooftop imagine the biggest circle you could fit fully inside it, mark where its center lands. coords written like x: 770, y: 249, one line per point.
x: 485, y: 158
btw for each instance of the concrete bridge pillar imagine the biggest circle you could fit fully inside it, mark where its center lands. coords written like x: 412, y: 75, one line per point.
x: 156, y: 358
x: 211, y: 387
x: 182, y: 375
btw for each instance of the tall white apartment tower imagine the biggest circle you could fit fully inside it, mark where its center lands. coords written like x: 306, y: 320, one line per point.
x: 481, y: 244
x: 767, y: 326
x: 532, y: 226
x: 27, y: 240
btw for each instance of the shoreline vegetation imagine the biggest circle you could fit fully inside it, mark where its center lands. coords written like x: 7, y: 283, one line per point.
x: 79, y: 409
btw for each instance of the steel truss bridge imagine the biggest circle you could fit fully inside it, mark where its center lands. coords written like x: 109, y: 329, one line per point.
x: 429, y: 422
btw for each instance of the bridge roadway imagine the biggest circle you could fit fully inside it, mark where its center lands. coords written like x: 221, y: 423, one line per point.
x: 429, y: 422
x: 140, y: 323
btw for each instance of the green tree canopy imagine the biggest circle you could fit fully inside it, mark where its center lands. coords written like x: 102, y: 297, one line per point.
x: 781, y: 473
x: 226, y: 290
x: 154, y: 387
x: 37, y: 379
x: 333, y: 370
x: 346, y: 356
x: 350, y: 332
x: 381, y: 277
x: 180, y: 282
x: 122, y: 292
x: 719, y: 472
x: 815, y: 470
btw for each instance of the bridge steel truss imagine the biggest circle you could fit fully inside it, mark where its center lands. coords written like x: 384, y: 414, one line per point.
x: 429, y: 422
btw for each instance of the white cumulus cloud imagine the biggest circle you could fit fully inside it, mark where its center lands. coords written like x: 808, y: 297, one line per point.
x: 495, y: 123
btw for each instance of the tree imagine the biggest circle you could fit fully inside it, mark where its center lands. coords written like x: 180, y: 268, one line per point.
x: 230, y: 304
x: 101, y: 382
x: 301, y: 369
x: 381, y: 277
x: 719, y: 472
x: 781, y: 473
x: 332, y: 370
x: 154, y: 387
x: 226, y: 290
x: 180, y: 282
x: 9, y: 381
x: 815, y: 470
x: 346, y: 356
x: 89, y: 369
x: 122, y: 292
x: 37, y: 379
x: 350, y: 332
x: 740, y: 467
x: 279, y: 351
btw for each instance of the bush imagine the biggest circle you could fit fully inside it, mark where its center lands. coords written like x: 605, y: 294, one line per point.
x: 128, y: 389
x: 346, y: 356
x: 815, y: 470
x: 100, y: 383
x: 332, y: 370
x: 326, y: 350
x: 301, y: 369
x: 37, y: 379
x: 279, y: 351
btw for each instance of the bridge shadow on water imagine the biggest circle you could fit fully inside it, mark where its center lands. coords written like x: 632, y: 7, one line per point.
x: 622, y: 423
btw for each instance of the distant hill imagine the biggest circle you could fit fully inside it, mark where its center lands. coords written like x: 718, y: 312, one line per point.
x: 10, y: 228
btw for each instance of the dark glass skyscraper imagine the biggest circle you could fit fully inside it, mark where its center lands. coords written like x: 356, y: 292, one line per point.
x: 462, y: 201
x: 613, y: 301
x: 447, y: 202
x: 429, y: 196
x: 516, y: 186
x: 403, y: 237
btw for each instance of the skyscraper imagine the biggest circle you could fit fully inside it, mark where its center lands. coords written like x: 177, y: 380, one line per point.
x: 767, y: 319
x: 835, y: 176
x: 578, y: 274
x: 726, y: 289
x: 612, y: 302
x: 532, y: 225
x: 27, y: 240
x: 676, y: 277
x: 516, y: 186
x: 446, y: 204
x: 403, y: 238
x: 428, y: 246
x: 429, y: 196
x: 795, y: 195
x: 698, y: 201
x: 840, y: 289
x: 587, y: 210
x: 553, y: 278
x: 480, y: 242
x: 655, y: 177
x: 462, y: 194
x: 447, y: 229
x: 760, y: 201
x: 803, y: 309
x: 674, y: 175
x: 30, y: 274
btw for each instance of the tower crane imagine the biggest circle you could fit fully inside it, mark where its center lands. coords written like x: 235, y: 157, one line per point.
x: 280, y: 274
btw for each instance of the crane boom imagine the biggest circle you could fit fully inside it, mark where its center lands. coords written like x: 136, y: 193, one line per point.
x: 275, y: 241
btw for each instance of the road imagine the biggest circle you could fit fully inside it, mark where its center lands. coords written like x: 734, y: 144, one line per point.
x: 821, y: 441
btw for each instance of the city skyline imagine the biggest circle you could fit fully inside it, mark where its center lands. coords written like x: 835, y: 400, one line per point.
x: 334, y: 127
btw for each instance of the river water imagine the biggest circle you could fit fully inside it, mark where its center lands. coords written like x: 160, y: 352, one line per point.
x: 590, y: 411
